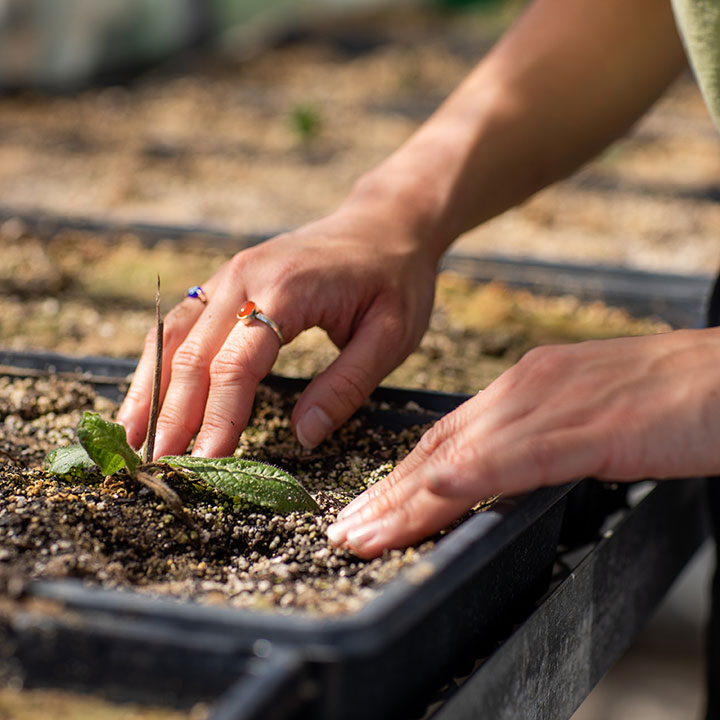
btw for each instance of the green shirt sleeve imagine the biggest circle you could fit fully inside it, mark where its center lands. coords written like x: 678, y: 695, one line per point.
x: 699, y: 25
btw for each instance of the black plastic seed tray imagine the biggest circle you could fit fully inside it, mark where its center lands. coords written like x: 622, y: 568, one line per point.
x: 388, y: 658
x: 44, y: 645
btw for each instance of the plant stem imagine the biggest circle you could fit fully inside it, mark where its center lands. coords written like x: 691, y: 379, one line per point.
x: 155, y: 402
x: 162, y: 490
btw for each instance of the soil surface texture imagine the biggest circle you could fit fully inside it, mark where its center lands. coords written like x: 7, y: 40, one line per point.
x: 118, y: 533
x: 219, y: 138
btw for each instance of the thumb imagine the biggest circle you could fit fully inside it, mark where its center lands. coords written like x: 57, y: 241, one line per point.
x: 336, y: 393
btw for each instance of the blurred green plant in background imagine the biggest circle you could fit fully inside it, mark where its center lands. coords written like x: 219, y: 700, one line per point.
x: 305, y: 120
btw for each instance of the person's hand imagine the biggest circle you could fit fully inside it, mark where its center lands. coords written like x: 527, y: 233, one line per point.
x: 622, y: 409
x: 361, y: 276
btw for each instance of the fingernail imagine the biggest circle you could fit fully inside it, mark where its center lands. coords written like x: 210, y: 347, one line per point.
x: 337, y: 532
x: 359, y: 537
x: 198, y: 451
x: 314, y: 426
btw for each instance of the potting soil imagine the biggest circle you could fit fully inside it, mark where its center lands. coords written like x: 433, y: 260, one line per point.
x: 118, y: 533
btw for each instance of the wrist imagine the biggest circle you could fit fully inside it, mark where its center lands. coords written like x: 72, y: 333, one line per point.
x: 439, y: 182
x: 397, y: 193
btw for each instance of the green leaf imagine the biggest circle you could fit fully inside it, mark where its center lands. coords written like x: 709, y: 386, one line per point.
x: 250, y: 480
x: 106, y: 444
x: 72, y: 463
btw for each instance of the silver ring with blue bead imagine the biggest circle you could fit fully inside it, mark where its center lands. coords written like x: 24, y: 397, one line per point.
x: 197, y: 292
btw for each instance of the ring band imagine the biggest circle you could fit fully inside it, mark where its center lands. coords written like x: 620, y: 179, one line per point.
x: 249, y: 311
x: 197, y: 292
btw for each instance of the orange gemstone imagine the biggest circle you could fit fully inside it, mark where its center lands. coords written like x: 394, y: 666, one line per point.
x: 246, y: 309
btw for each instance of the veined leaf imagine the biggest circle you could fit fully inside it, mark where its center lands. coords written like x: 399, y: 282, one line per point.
x: 250, y: 480
x: 72, y: 463
x: 106, y: 443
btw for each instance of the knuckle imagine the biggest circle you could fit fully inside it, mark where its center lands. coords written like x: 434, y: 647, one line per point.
x: 402, y: 517
x: 237, y: 266
x: 443, y: 436
x: 223, y: 364
x: 404, y: 338
x: 388, y: 502
x: 430, y: 440
x: 136, y: 395
x: 453, y: 452
x: 189, y: 360
x: 351, y: 386
x: 286, y: 272
x: 172, y: 420
x: 537, y: 356
x: 173, y: 335
x: 226, y: 369
x: 174, y: 325
x: 543, y: 361
x: 238, y: 262
x: 215, y: 424
x: 179, y: 313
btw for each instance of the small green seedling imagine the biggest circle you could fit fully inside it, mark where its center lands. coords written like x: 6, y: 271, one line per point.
x: 104, y: 449
x: 306, y: 122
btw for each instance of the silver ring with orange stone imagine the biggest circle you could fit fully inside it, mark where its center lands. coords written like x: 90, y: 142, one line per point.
x: 249, y: 311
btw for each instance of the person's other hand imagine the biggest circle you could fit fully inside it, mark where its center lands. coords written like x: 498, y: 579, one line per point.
x: 622, y: 409
x: 358, y: 275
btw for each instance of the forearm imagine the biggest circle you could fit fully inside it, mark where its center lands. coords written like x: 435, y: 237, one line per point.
x: 569, y: 78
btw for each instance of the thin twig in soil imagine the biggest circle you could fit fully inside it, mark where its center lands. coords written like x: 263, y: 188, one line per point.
x: 161, y: 489
x: 155, y: 403
x: 157, y: 485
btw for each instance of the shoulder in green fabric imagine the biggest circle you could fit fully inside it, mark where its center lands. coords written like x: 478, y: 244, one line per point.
x: 699, y: 26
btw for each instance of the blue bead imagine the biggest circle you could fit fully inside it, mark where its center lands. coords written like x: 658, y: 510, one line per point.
x: 195, y: 291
